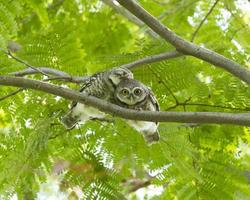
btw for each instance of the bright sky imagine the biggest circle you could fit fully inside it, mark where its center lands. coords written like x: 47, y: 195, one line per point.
x: 244, y: 5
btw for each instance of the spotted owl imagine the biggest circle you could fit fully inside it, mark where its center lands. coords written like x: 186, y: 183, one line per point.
x: 101, y: 85
x: 132, y: 94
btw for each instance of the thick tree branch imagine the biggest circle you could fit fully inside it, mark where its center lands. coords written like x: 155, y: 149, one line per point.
x: 186, y: 117
x: 204, y: 19
x: 185, y: 46
x: 152, y: 59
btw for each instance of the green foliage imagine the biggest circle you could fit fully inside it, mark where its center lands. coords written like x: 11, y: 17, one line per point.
x: 191, y: 161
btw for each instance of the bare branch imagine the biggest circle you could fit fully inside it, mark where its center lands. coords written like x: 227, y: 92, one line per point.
x: 136, y: 184
x: 185, y: 46
x: 185, y: 103
x: 72, y: 79
x: 11, y: 94
x: 184, y: 117
x: 165, y: 85
x: 59, y: 75
x: 46, y: 70
x: 152, y: 59
x: 8, y: 53
x: 204, y: 19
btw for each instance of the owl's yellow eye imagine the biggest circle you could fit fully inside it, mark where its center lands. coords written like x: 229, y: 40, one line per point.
x: 137, y: 91
x: 125, y: 92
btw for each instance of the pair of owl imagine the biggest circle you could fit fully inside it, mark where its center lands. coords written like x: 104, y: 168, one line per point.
x: 118, y: 87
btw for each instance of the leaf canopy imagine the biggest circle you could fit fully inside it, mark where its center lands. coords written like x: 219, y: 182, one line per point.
x: 81, y: 37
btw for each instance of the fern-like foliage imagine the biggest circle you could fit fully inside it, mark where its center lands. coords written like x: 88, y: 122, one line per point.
x: 191, y: 161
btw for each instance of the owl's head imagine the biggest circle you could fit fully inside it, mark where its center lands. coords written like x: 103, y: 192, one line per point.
x: 131, y: 92
x: 117, y: 74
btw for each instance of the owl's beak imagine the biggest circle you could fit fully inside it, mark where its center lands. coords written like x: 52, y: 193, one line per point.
x: 131, y: 98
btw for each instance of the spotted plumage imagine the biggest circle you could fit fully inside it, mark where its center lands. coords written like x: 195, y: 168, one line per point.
x: 101, y: 85
x: 133, y: 94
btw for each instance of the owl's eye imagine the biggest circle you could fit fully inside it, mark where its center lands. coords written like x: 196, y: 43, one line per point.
x: 125, y: 92
x: 137, y: 91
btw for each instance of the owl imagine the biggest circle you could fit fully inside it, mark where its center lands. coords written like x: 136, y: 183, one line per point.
x: 132, y: 94
x: 101, y: 85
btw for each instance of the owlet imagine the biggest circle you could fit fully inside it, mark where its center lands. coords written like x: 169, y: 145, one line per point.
x: 101, y: 85
x: 132, y: 94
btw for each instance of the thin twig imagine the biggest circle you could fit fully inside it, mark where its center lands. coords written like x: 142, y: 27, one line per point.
x: 8, y: 53
x: 217, y: 106
x: 166, y: 86
x: 185, y: 103
x: 60, y: 75
x: 46, y: 70
x: 203, y: 20
x: 136, y: 184
x: 152, y: 59
x: 71, y: 79
x: 57, y: 75
x: 11, y: 94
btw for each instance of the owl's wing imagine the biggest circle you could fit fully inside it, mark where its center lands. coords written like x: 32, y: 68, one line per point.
x: 153, y: 100
x: 83, y: 87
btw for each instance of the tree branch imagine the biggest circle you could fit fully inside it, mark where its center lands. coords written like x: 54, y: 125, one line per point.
x: 184, y: 117
x: 8, y: 53
x: 152, y: 59
x: 185, y: 103
x: 204, y: 19
x: 11, y: 94
x: 46, y: 70
x: 184, y: 46
x: 59, y: 75
x: 136, y: 184
x: 165, y: 85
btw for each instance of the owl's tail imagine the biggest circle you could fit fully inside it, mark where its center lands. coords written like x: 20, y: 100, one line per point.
x: 69, y: 121
x: 151, y: 137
